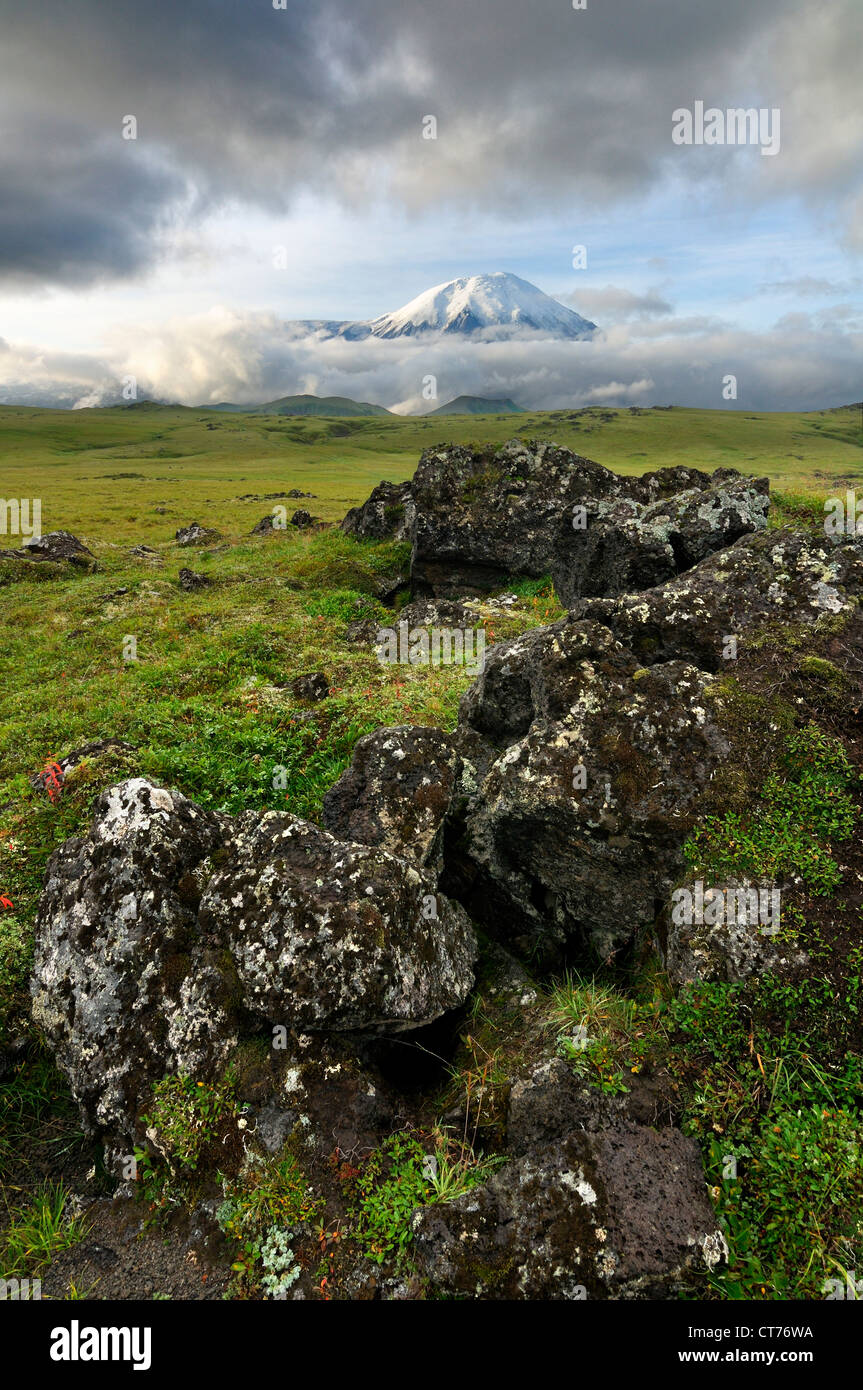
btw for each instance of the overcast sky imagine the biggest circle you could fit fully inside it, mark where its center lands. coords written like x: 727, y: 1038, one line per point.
x: 302, y: 128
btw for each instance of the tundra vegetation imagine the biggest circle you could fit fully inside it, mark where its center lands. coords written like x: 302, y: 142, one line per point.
x: 382, y: 1148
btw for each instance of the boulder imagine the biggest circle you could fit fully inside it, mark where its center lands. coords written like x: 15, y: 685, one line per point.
x: 196, y: 535
x: 484, y: 516
x: 59, y: 546
x: 602, y: 770
x: 302, y: 519
x: 57, y: 554
x: 169, y: 931
x: 618, y: 1213
x: 334, y: 936
x: 477, y: 517
x: 386, y: 515
x: 629, y: 545
x: 126, y: 987
x: 776, y: 577
x: 397, y: 793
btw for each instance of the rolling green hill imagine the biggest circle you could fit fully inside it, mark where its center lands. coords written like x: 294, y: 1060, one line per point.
x: 478, y: 405
x: 330, y: 406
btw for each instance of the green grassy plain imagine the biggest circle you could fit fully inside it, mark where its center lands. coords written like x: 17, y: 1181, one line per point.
x: 103, y: 473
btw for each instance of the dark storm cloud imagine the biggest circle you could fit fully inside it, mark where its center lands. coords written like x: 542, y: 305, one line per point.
x: 94, y: 214
x: 239, y: 103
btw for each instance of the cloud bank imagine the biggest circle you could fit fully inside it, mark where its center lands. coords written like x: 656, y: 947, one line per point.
x: 252, y: 358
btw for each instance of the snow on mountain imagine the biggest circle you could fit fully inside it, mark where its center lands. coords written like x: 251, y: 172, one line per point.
x: 499, y: 305
x: 483, y: 304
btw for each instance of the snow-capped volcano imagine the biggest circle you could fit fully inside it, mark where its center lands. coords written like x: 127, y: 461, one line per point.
x: 499, y: 305
x: 481, y: 303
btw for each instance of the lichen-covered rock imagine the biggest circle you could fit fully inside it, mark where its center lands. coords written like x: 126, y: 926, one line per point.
x: 776, y: 577
x: 578, y: 828
x: 314, y: 685
x: 196, y: 534
x: 126, y: 986
x: 397, y: 793
x: 60, y: 545
x: 327, y: 935
x: 548, y: 1101
x: 748, y: 939
x: 167, y: 928
x: 618, y: 1213
x: 57, y: 554
x: 386, y: 515
x: 484, y: 516
x: 477, y: 517
x: 627, y: 545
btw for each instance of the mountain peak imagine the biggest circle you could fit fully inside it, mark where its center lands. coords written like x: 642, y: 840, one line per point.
x: 496, y: 303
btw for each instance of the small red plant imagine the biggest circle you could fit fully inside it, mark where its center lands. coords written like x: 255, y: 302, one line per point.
x: 4, y: 901
x: 52, y: 776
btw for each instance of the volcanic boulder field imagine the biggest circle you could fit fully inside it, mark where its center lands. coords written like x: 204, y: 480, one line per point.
x: 399, y: 978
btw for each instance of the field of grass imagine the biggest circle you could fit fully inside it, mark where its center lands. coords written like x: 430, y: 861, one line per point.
x: 142, y: 471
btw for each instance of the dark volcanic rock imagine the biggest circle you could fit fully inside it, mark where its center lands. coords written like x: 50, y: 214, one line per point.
x: 781, y: 576
x: 619, y: 1213
x: 386, y: 515
x: 476, y: 518
x: 326, y: 935
x: 729, y: 950
x: 264, y: 527
x: 628, y: 545
x: 482, y: 517
x: 397, y: 792
x: 578, y: 828
x: 313, y: 686
x: 189, y: 580
x: 302, y: 519
x: 196, y: 535
x: 167, y: 928
x: 56, y: 554
x: 57, y: 546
